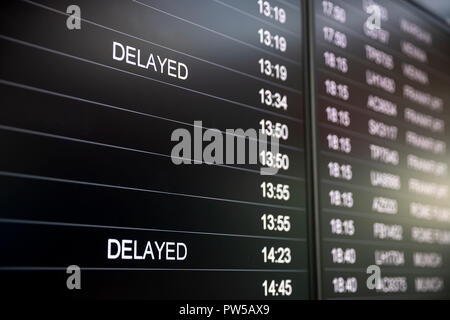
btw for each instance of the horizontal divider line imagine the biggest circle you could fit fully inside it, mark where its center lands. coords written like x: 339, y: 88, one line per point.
x: 378, y: 165
x: 170, y: 49
x: 85, y: 225
x: 404, y: 194
x: 420, y: 271
x: 296, y: 35
x: 106, y: 145
x: 94, y: 184
x: 39, y: 47
x: 378, y: 216
x: 384, y: 243
x: 26, y: 268
x: 291, y: 5
x: 276, y: 55
x: 62, y: 95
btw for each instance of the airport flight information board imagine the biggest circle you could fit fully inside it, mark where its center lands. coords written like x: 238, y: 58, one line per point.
x: 92, y: 120
x: 224, y: 149
x: 383, y: 111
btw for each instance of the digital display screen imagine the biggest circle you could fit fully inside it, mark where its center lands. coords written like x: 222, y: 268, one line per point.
x: 224, y: 149
x: 117, y: 149
x: 383, y: 110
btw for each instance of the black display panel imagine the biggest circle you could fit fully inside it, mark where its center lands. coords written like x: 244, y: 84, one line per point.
x: 88, y: 128
x: 383, y: 114
x: 224, y: 149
